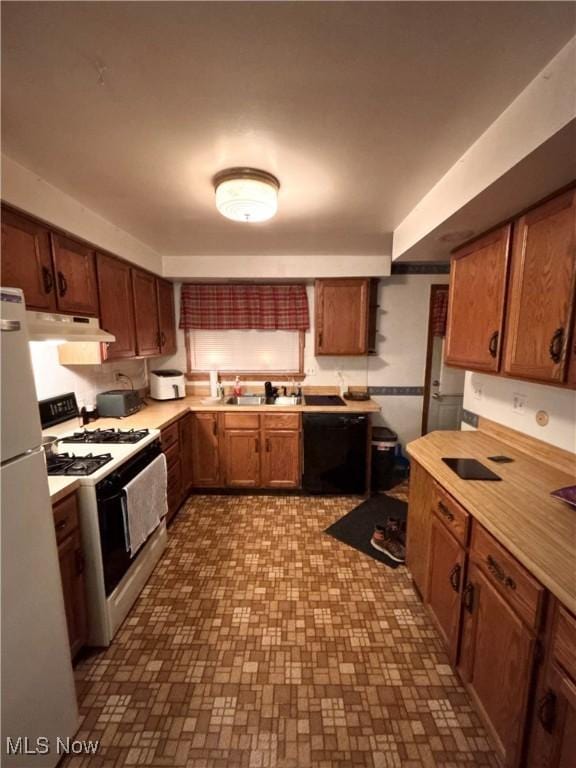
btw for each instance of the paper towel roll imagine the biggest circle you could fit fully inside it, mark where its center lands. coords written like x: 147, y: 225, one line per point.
x: 213, y: 383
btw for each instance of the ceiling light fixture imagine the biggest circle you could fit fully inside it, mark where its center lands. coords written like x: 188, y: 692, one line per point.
x: 246, y: 194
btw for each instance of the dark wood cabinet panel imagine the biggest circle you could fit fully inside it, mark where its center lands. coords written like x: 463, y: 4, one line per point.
x: 116, y: 306
x: 72, y: 573
x: 166, y: 317
x: 27, y: 261
x: 341, y: 310
x: 186, y: 434
x: 496, y: 659
x: 75, y: 276
x: 541, y: 294
x: 281, y: 459
x: 241, y: 458
x: 445, y: 583
x: 145, y: 313
x: 205, y: 453
x: 420, y: 503
x: 476, y: 304
x: 174, y: 480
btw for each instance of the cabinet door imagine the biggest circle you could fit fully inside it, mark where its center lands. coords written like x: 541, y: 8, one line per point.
x: 281, y: 459
x: 342, y: 316
x: 166, y: 317
x: 186, y: 431
x: 496, y: 659
x: 542, y: 291
x: 75, y: 275
x: 553, y: 740
x: 476, y: 303
x: 72, y: 573
x: 116, y: 306
x: 242, y: 458
x: 174, y: 494
x: 26, y: 261
x: 205, y: 456
x: 145, y: 313
x: 418, y: 525
x: 445, y: 583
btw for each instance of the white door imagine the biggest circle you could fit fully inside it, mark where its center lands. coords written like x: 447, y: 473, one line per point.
x: 21, y: 429
x: 38, y: 694
x: 446, y: 392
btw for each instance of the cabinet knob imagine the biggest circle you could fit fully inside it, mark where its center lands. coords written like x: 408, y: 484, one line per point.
x: 547, y: 711
x: 445, y: 512
x: 556, y: 347
x: 493, y: 344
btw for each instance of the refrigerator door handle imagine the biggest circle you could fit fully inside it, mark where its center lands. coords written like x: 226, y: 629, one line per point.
x: 9, y: 325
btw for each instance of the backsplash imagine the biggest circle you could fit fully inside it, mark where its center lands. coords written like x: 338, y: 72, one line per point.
x: 86, y: 381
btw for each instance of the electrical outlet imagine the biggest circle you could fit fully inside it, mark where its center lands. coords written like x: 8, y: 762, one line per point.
x: 519, y: 403
x: 476, y: 391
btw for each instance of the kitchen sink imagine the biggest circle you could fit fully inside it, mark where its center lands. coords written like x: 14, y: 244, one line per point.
x: 261, y: 400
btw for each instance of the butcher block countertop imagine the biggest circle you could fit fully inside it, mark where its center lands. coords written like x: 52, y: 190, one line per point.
x: 159, y: 414
x: 519, y: 511
x: 60, y: 487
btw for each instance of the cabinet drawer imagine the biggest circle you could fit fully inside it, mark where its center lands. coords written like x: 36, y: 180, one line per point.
x: 510, y: 578
x: 281, y: 420
x: 454, y: 517
x: 65, y: 516
x: 169, y: 436
x: 241, y: 421
x: 172, y: 453
x: 564, y: 642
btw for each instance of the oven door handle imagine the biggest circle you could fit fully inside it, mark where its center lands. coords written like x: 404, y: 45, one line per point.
x: 108, y: 499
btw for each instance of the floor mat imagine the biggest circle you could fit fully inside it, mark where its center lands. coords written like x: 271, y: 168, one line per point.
x: 356, y: 528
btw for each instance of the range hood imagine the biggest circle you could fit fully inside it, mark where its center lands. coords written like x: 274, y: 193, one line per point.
x: 45, y: 326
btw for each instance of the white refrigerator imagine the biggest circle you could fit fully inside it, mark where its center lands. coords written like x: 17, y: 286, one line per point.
x: 38, y: 698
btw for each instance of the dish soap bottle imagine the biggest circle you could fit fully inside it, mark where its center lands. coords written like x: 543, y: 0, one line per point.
x: 237, y: 391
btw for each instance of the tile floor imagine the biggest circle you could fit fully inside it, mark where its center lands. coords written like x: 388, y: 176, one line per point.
x: 260, y: 642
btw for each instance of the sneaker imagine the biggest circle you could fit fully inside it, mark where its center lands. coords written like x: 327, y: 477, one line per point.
x: 386, y: 539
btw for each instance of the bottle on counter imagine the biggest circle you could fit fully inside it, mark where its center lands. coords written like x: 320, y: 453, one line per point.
x: 237, y: 390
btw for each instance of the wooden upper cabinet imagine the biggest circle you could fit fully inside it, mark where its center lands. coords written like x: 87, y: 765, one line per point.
x: 166, y: 317
x: 27, y: 262
x: 476, y: 304
x: 75, y: 276
x: 445, y: 582
x: 116, y: 307
x: 145, y: 313
x: 281, y: 459
x: 541, y: 295
x: 342, y: 309
x: 492, y: 637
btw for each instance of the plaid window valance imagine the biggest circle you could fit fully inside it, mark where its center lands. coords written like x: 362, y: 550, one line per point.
x: 440, y: 312
x: 262, y: 307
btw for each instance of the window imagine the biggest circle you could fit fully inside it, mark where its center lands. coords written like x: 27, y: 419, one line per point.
x: 242, y: 352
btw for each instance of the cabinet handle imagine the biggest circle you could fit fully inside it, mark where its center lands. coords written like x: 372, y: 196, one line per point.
x: 257, y: 445
x: 493, y: 344
x: 547, y: 711
x: 62, y: 284
x: 320, y: 337
x: 499, y: 573
x: 455, y: 574
x: 268, y: 449
x: 79, y: 562
x: 215, y: 427
x: 469, y: 597
x: 61, y: 525
x: 556, y: 345
x: 445, y: 512
x: 47, y: 279
x: 162, y: 338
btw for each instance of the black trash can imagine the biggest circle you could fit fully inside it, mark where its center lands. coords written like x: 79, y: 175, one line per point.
x: 384, y: 442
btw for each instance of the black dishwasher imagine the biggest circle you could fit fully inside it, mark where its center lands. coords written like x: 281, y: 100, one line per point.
x: 335, y: 453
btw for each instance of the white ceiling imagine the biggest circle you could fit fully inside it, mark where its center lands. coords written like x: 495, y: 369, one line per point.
x: 358, y: 108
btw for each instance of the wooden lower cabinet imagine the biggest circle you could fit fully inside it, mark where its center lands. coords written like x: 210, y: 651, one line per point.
x: 186, y: 439
x: 418, y: 525
x: 552, y: 741
x: 177, y: 444
x: 205, y: 451
x: 71, y: 559
x: 281, y: 459
x: 445, y: 583
x: 241, y: 458
x: 496, y: 661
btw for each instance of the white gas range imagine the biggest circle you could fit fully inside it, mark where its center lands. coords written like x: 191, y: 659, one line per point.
x: 104, y: 461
